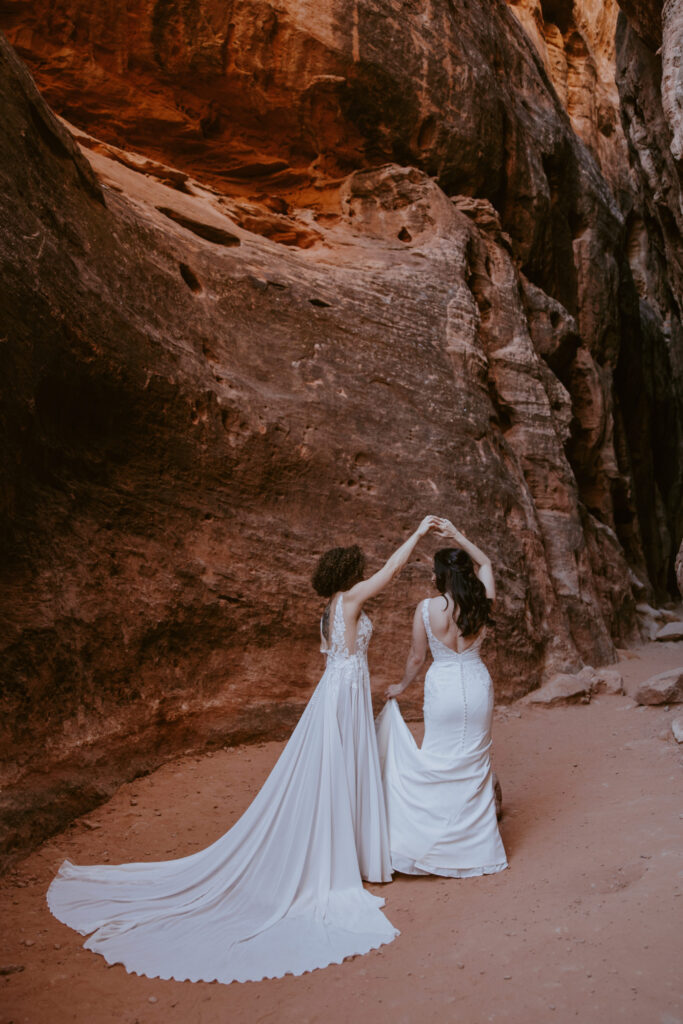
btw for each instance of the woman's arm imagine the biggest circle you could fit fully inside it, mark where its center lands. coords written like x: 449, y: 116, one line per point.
x: 482, y: 562
x: 416, y: 655
x: 363, y: 591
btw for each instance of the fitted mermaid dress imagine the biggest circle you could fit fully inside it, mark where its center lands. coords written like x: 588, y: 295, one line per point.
x: 281, y: 892
x: 439, y: 797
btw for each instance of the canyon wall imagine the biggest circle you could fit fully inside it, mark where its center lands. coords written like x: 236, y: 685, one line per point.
x: 305, y: 274
x: 649, y: 377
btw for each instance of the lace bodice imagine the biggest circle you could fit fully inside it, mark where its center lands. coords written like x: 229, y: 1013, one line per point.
x: 440, y: 652
x: 336, y: 648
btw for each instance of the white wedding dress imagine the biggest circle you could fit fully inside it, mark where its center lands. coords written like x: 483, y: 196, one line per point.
x: 281, y: 892
x: 440, y: 800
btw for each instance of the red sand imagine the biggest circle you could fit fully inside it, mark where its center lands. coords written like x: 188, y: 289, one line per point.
x: 587, y: 923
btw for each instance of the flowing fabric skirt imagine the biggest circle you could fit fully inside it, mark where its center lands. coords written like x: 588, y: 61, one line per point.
x: 281, y: 892
x: 440, y: 800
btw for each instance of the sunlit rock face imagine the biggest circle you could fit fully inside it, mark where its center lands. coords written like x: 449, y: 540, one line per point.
x: 271, y: 103
x: 576, y: 42
x: 363, y: 266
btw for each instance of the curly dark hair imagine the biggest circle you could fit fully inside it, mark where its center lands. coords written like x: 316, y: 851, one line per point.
x: 338, y: 569
x: 455, y: 575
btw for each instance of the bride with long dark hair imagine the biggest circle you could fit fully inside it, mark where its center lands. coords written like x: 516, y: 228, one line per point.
x: 440, y: 797
x: 281, y: 892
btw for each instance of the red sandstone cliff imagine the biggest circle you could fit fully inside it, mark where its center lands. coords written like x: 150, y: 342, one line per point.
x: 381, y: 272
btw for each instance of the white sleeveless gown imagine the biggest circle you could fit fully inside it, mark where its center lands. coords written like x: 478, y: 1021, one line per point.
x: 440, y: 800
x: 281, y: 892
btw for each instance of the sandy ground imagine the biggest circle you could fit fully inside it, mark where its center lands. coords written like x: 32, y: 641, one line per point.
x: 587, y: 923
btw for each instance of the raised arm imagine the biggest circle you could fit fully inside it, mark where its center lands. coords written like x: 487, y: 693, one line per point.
x: 482, y: 562
x: 363, y: 591
x: 416, y: 655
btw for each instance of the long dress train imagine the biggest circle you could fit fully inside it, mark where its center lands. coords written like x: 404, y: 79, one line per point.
x: 440, y: 800
x: 281, y: 892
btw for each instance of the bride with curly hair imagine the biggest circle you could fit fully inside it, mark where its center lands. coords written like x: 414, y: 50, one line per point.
x: 281, y: 892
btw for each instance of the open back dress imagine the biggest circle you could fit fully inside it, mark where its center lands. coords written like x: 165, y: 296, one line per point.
x: 440, y: 800
x: 281, y: 892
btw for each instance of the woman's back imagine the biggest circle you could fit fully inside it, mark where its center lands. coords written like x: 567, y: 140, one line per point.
x: 343, y: 630
x: 445, y: 628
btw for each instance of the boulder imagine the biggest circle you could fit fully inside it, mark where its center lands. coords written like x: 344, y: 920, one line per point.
x: 677, y: 729
x: 650, y: 619
x: 607, y: 680
x: 576, y: 688
x: 664, y: 688
x: 563, y: 688
x: 671, y: 631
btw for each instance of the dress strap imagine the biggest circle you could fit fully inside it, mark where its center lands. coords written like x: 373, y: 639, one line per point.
x: 339, y: 617
x: 338, y: 631
x: 425, y: 619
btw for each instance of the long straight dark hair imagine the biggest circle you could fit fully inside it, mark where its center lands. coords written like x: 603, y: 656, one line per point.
x: 455, y: 575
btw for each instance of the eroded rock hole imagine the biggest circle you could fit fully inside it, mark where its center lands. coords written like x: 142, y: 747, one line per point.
x: 427, y: 132
x: 405, y: 235
x: 190, y: 278
x: 319, y: 302
x: 559, y: 12
x: 209, y: 352
x: 207, y: 231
